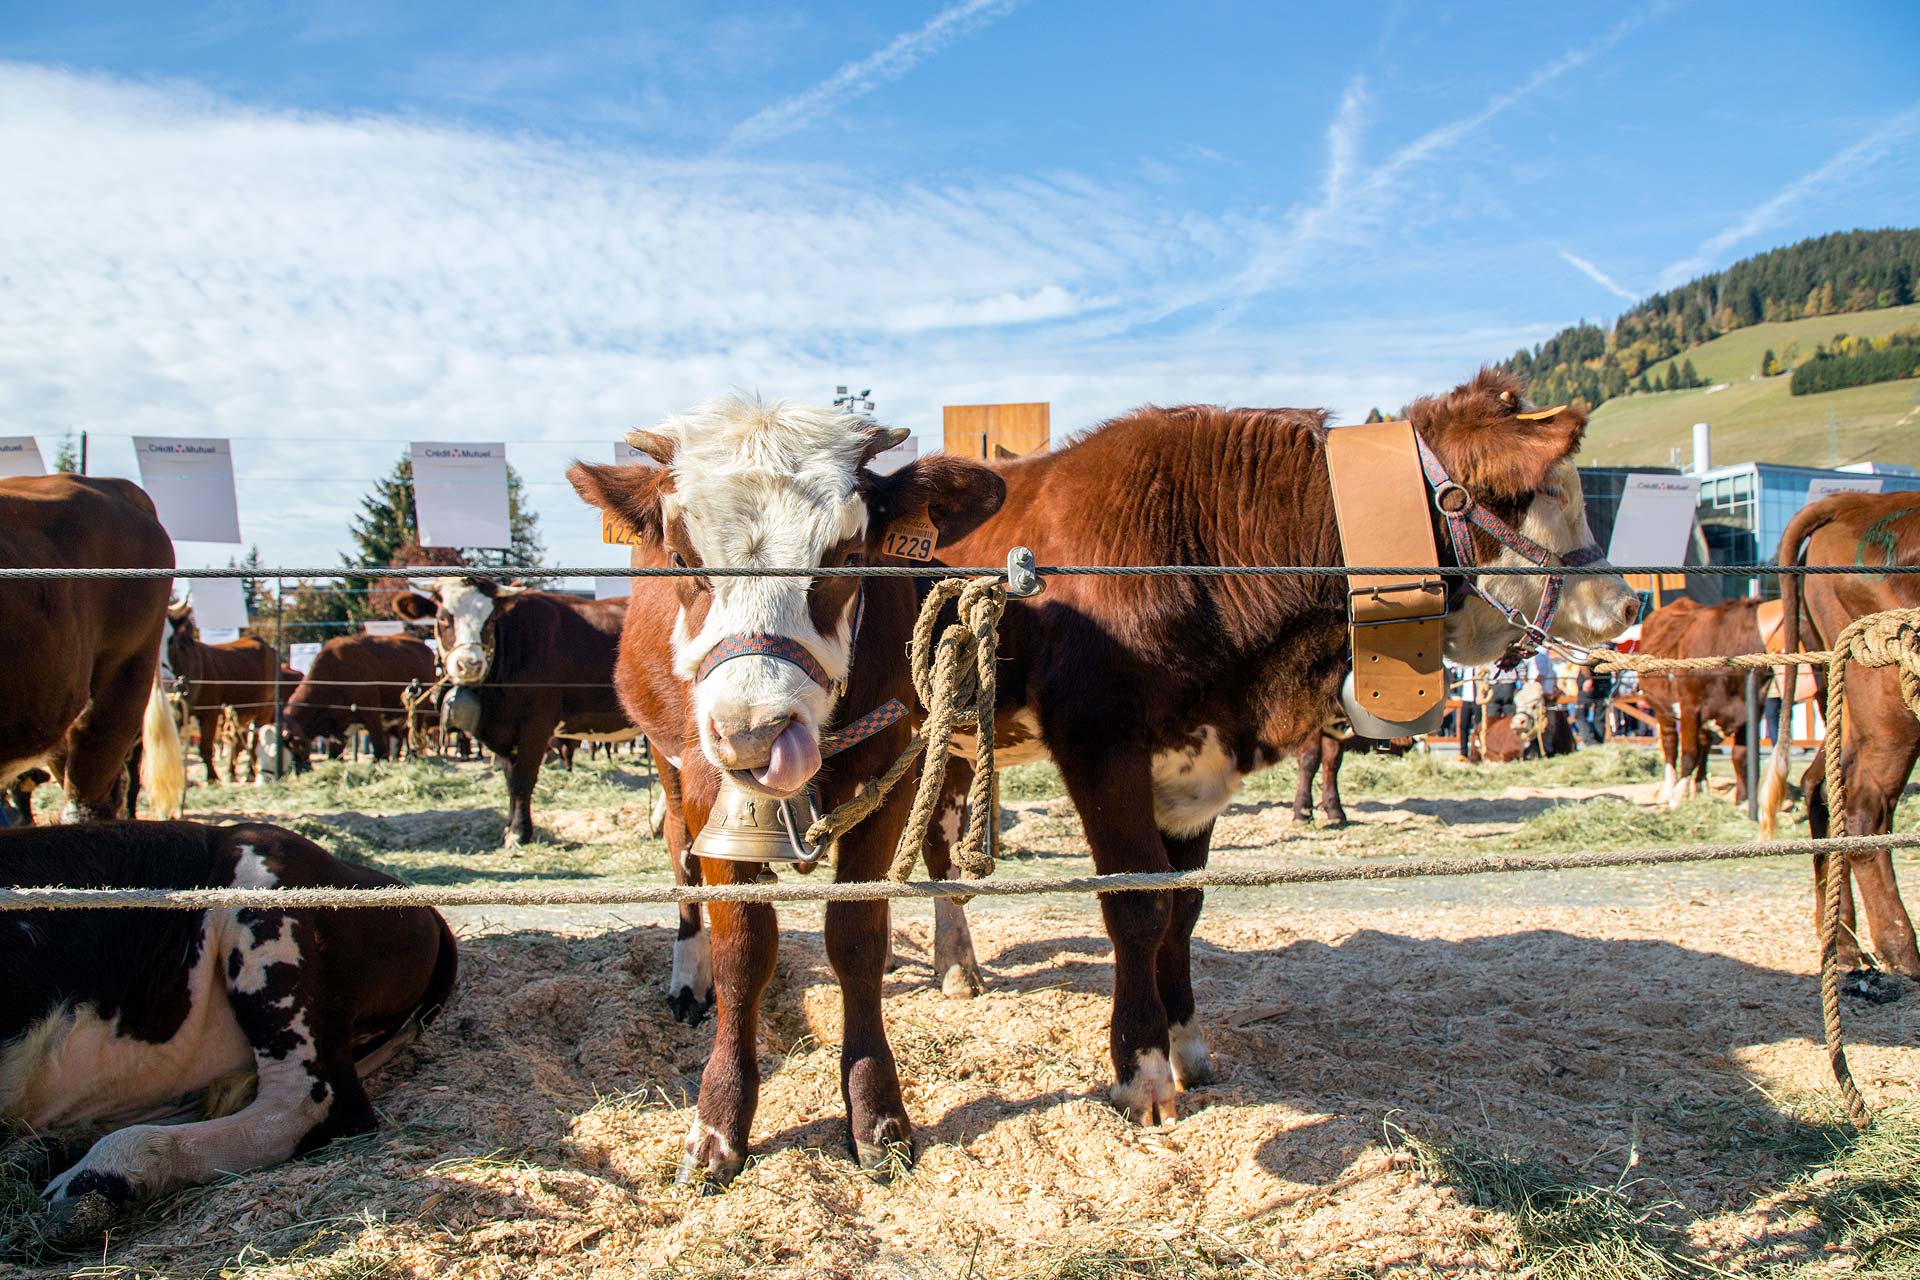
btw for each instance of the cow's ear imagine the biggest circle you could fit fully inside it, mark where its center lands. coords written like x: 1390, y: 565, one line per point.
x: 1491, y: 442
x: 956, y: 494
x: 630, y: 494
x: 415, y: 607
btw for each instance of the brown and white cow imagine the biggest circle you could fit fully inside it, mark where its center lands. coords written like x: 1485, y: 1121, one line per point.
x: 523, y: 666
x: 238, y: 674
x: 1686, y: 703
x: 355, y: 681
x: 1323, y: 755
x: 79, y: 657
x: 1156, y: 696
x: 742, y: 485
x: 255, y: 1026
x: 1882, y: 736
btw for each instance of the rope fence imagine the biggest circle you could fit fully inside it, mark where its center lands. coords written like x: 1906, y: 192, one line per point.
x: 57, y: 899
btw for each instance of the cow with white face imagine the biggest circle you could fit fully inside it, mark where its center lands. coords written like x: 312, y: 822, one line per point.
x: 774, y: 681
x: 524, y: 665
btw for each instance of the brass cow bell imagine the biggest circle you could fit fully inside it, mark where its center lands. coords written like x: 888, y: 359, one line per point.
x: 745, y: 827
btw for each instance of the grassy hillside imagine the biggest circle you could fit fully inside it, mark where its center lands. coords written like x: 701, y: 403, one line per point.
x: 1756, y: 418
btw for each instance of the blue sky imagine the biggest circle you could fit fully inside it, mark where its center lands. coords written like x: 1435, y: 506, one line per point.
x: 326, y: 229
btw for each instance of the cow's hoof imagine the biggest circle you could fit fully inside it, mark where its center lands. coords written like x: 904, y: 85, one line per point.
x: 689, y: 1008
x: 888, y: 1154
x: 711, y: 1162
x: 1192, y: 1064
x: 1875, y: 986
x: 1147, y: 1097
x: 82, y: 1206
x: 1335, y: 820
x: 1302, y: 819
x: 962, y: 981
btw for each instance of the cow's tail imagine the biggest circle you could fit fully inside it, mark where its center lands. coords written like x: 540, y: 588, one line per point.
x: 163, y: 766
x: 1773, y: 792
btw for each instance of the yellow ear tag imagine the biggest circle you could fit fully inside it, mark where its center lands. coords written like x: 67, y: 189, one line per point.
x: 1541, y: 415
x: 911, y: 538
x: 618, y: 532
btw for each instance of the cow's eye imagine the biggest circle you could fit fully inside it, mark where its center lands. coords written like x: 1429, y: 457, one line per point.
x: 676, y: 560
x: 852, y: 560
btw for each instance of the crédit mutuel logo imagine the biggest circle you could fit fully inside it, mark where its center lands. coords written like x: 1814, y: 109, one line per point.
x: 177, y: 448
x: 455, y: 451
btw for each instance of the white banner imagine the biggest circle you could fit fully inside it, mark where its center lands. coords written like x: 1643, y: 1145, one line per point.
x: 460, y: 494
x: 301, y: 654
x: 191, y: 484
x: 1655, y: 520
x: 219, y: 635
x: 1827, y: 486
x: 219, y: 604
x: 20, y: 456
x: 384, y: 627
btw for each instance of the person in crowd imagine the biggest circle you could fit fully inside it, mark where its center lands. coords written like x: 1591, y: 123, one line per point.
x: 1500, y: 686
x: 1592, y: 700
x: 1469, y: 694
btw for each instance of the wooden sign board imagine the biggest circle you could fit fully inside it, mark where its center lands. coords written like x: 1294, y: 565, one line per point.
x: 977, y: 430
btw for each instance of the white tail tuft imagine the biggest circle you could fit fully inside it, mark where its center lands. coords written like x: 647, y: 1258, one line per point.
x: 163, y: 766
x: 1773, y: 790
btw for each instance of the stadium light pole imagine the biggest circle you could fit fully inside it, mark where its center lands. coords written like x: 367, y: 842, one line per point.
x: 844, y: 399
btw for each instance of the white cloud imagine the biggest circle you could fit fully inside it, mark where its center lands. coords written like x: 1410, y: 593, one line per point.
x: 857, y: 79
x: 1598, y: 276
x: 326, y: 288
x: 1839, y: 169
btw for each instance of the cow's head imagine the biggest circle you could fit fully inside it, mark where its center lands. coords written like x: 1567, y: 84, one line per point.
x: 1518, y: 463
x: 466, y: 615
x: 177, y: 642
x: 744, y: 484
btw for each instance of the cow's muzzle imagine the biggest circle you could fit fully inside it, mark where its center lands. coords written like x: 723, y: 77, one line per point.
x: 777, y: 758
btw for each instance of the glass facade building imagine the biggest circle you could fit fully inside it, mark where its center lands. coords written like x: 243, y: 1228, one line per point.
x: 1744, y: 510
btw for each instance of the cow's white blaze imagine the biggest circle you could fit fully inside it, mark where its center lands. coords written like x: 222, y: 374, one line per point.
x: 466, y: 608
x: 758, y: 485
x: 1593, y: 608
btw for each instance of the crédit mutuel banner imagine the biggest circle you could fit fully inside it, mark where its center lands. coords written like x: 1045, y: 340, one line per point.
x: 191, y: 484
x: 20, y: 456
x: 460, y: 494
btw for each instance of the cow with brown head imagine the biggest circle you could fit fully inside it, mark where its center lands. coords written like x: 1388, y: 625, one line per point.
x: 758, y: 678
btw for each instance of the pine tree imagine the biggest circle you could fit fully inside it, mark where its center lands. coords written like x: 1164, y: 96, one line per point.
x: 1374, y: 415
x: 1769, y: 364
x: 1643, y: 385
x: 259, y: 599
x: 67, y: 459
x: 1689, y: 376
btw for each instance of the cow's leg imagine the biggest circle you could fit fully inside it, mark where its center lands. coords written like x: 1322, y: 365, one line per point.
x: 1112, y: 787
x: 954, y: 964
x: 1669, y: 733
x: 1332, y: 751
x: 1693, y: 757
x: 523, y: 772
x: 1308, y: 761
x: 1173, y: 968
x: 377, y: 741
x: 1737, y: 751
x: 209, y: 729
x: 1813, y: 785
x: 308, y: 1092
x: 95, y: 769
x: 746, y: 941
x: 690, y: 984
x: 1875, y: 779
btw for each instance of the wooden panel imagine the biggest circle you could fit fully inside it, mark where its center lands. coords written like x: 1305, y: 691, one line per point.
x: 973, y: 430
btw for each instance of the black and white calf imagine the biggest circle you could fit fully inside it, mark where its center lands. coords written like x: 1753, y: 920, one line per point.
x: 122, y: 1020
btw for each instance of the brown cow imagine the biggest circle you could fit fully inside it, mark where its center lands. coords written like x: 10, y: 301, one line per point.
x: 524, y: 665
x: 78, y: 657
x: 1685, y: 703
x: 355, y: 681
x: 238, y: 674
x: 1324, y: 755
x: 1882, y: 736
x: 1158, y: 695
x: 748, y: 674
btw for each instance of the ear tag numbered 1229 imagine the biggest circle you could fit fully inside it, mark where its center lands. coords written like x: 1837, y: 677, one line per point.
x: 911, y: 538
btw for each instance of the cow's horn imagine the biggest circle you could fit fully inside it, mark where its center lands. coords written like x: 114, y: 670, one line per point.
x: 881, y: 439
x: 657, y: 445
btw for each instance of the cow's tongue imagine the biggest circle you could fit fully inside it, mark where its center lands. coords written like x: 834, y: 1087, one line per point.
x: 795, y: 759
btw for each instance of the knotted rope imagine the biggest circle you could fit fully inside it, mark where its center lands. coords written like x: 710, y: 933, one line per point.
x: 1887, y: 639
x: 953, y: 675
x: 413, y: 698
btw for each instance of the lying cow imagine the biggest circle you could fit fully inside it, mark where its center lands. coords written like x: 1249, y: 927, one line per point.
x: 749, y: 675
x: 1324, y: 754
x: 1882, y: 737
x: 1156, y: 696
x: 355, y: 682
x: 78, y: 657
x: 125, y: 1020
x: 524, y: 665
x: 1535, y: 730
x: 1686, y: 704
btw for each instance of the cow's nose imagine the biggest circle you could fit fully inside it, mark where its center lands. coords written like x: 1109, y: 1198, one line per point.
x: 745, y: 745
x: 1629, y: 612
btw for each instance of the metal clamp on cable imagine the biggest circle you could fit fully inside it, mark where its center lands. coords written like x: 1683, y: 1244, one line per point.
x: 1022, y: 582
